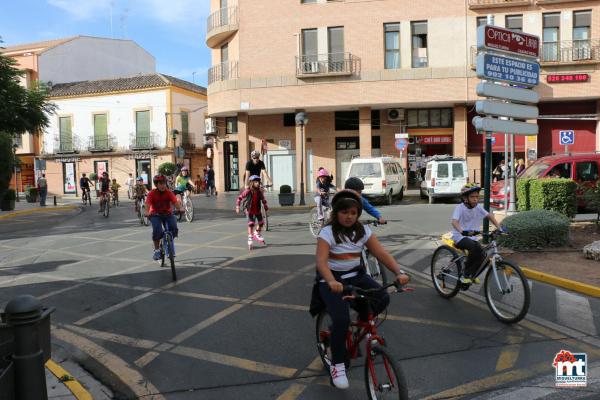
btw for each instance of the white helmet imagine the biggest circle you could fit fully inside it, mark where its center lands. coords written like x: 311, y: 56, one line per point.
x: 255, y: 154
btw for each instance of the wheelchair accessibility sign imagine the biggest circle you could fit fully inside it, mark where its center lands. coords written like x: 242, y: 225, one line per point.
x: 566, y: 137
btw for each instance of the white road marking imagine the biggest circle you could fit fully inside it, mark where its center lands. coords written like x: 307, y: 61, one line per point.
x: 575, y: 311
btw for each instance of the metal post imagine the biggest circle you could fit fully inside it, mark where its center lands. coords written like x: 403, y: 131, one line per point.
x: 506, y: 163
x: 302, y: 203
x: 511, y: 205
x: 487, y: 179
x: 22, y: 314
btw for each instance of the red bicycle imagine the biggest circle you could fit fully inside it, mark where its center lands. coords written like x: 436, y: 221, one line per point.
x: 384, y: 378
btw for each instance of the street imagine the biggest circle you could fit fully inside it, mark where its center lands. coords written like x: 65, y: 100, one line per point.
x: 236, y: 323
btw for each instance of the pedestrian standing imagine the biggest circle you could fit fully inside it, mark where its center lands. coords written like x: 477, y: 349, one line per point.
x: 43, y: 190
x: 520, y: 166
x: 210, y: 181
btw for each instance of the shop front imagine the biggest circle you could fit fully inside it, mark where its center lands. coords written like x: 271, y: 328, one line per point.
x: 421, y: 147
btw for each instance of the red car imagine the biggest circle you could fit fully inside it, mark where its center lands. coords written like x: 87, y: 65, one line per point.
x: 582, y: 168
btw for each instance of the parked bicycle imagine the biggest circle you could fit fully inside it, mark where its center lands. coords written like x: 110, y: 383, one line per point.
x: 314, y: 223
x: 384, y: 379
x: 505, y: 286
x: 167, y: 247
x: 86, y: 197
x: 371, y: 263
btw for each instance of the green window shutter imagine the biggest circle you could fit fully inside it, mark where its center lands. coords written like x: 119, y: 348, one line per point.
x: 185, y: 126
x: 100, y: 127
x: 142, y: 124
x: 66, y: 134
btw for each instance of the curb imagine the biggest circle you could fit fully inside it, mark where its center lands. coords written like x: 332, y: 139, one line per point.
x: 72, y: 384
x: 38, y: 210
x: 569, y: 284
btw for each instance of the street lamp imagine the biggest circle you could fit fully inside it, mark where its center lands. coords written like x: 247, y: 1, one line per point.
x: 15, y: 147
x: 301, y: 119
x: 174, y: 134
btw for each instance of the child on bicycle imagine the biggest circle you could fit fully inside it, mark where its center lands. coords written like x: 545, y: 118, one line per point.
x: 114, y: 188
x: 104, y: 189
x: 159, y: 207
x: 324, y: 185
x: 183, y: 182
x: 253, y: 199
x: 466, y: 221
x: 358, y: 186
x: 139, y: 191
x: 339, y: 248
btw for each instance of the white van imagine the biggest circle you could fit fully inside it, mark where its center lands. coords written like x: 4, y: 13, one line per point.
x: 445, y: 176
x: 383, y: 177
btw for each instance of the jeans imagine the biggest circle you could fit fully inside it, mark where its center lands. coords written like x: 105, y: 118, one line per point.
x: 43, y: 194
x: 475, y: 257
x: 321, y: 202
x: 339, y: 309
x: 157, y: 225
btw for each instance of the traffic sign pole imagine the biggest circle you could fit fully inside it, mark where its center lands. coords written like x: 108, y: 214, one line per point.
x: 487, y: 179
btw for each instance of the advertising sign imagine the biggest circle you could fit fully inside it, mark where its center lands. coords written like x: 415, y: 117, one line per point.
x: 501, y: 39
x: 435, y: 139
x: 508, y: 69
x: 69, y: 177
x: 568, y: 78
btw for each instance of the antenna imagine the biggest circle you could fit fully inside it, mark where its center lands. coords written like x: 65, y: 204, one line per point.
x: 124, y: 16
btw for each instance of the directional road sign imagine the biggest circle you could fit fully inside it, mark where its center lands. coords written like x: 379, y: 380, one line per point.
x: 506, y: 69
x: 401, y: 136
x: 566, y: 137
x: 491, y: 107
x: 504, y: 126
x: 401, y: 144
x: 500, y: 39
x: 517, y: 95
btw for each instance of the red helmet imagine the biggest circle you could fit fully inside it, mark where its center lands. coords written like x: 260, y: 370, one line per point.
x: 159, y: 179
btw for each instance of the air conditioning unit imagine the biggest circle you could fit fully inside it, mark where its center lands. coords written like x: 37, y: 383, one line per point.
x: 310, y: 67
x: 395, y: 114
x: 210, y: 126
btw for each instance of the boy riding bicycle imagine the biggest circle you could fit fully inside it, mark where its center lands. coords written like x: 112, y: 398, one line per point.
x: 139, y: 192
x: 84, y: 184
x: 114, y: 188
x: 253, y: 199
x: 159, y: 208
x: 339, y: 247
x: 358, y: 186
x: 466, y: 221
x: 104, y: 189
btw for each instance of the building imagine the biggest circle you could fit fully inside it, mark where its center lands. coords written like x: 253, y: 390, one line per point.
x: 123, y: 126
x: 364, y: 71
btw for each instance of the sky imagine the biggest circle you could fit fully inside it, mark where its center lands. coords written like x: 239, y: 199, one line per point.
x: 173, y: 31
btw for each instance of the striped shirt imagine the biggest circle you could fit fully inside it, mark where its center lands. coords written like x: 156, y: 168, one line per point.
x: 346, y: 255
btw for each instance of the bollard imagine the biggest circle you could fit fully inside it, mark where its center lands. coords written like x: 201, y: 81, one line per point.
x: 23, y: 315
x: 54, y: 200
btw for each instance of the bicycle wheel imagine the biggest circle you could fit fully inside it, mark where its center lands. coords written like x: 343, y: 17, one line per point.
x: 162, y: 252
x: 171, y: 247
x: 89, y: 197
x: 106, y: 208
x: 384, y: 378
x: 375, y: 270
x: 266, y: 219
x: 323, y: 336
x: 189, y: 210
x: 313, y: 223
x: 508, y: 296
x: 445, y: 271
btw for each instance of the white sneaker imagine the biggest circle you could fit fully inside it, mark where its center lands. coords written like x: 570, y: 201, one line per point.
x: 338, y: 376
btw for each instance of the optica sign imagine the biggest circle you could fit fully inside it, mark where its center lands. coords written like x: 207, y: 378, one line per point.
x: 493, y: 37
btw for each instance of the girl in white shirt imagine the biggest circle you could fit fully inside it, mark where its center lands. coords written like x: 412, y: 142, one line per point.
x: 339, y: 248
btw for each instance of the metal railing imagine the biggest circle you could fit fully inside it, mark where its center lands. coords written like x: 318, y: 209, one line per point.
x: 496, y: 3
x: 186, y: 140
x: 326, y: 64
x: 66, y: 145
x: 570, y: 51
x: 101, y: 143
x: 223, y: 72
x: 222, y: 17
x: 143, y: 141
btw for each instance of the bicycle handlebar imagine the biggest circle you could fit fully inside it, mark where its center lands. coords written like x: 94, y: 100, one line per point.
x: 361, y: 291
x: 491, y: 235
x: 374, y: 222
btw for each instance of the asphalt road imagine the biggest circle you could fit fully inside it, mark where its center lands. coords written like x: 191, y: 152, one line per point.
x: 236, y: 324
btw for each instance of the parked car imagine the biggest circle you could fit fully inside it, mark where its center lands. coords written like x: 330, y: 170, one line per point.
x: 384, y: 177
x: 582, y: 168
x: 444, y: 177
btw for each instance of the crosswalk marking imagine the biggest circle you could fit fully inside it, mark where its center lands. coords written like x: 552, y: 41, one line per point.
x: 574, y: 311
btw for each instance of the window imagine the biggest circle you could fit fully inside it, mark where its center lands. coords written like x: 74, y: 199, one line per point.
x: 100, y: 131
x: 550, y: 37
x: 514, y: 22
x: 442, y: 171
x: 582, y: 47
x: 362, y: 170
x: 457, y: 170
x: 430, y: 118
x: 142, y: 124
x: 289, y: 119
x: 376, y: 142
x: 309, y: 44
x: 185, y: 127
x: 346, y: 120
x: 419, y: 44
x: 231, y: 125
x: 392, y: 45
x: 587, y: 171
x: 308, y: 1
x: 66, y: 134
x: 375, y: 119
x: 481, y: 21
x: 347, y: 143
x: 560, y: 171
x: 335, y: 46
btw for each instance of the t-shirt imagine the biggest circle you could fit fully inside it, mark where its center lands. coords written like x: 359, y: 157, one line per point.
x: 345, y: 247
x: 160, y: 202
x: 140, y: 190
x: 469, y: 219
x: 255, y: 168
x: 84, y: 183
x: 210, y: 174
x: 42, y: 182
x: 255, y: 203
x: 181, y: 182
x: 104, y: 184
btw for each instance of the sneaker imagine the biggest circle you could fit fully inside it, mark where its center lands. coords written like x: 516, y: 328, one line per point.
x: 338, y: 376
x: 250, y: 241
x: 157, y: 255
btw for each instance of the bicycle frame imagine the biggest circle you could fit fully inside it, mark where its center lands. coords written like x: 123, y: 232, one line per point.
x: 368, y: 330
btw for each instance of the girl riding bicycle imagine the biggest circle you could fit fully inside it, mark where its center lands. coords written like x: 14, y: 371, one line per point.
x: 324, y: 185
x: 339, y: 247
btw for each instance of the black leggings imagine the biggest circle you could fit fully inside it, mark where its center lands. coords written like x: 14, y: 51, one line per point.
x: 339, y: 309
x: 475, y: 257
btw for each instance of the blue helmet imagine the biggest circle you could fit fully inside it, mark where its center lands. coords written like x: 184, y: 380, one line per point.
x: 255, y: 178
x: 139, y: 178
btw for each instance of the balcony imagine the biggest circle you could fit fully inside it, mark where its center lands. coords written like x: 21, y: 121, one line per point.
x: 66, y: 145
x: 101, y: 144
x: 186, y: 141
x: 142, y: 141
x: 332, y: 64
x: 220, y: 25
x: 223, y: 72
x: 481, y: 4
x: 570, y: 52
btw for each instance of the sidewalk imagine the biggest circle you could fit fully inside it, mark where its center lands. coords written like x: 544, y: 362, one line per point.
x: 24, y: 208
x: 68, y: 381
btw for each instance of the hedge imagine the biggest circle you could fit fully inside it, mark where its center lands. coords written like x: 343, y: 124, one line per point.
x: 523, y: 200
x: 167, y: 169
x: 555, y: 194
x: 535, y: 229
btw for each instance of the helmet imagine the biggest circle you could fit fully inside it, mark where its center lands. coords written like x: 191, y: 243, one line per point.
x: 158, y: 179
x: 255, y: 178
x: 354, y: 183
x: 323, y: 172
x: 346, y: 194
x: 139, y: 178
x: 185, y: 169
x: 255, y: 154
x: 469, y: 188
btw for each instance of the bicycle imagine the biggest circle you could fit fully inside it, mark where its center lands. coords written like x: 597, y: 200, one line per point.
x: 383, y: 377
x: 505, y: 287
x: 167, y: 247
x: 130, y: 192
x: 105, y: 204
x: 86, y: 197
x: 188, y: 206
x: 371, y: 263
x: 264, y: 212
x: 115, y: 199
x: 314, y: 223
x: 141, y: 207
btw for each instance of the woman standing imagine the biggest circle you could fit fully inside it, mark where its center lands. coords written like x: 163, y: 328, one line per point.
x: 520, y: 166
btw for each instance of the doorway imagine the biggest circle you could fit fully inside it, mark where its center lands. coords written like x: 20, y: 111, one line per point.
x: 346, y: 148
x: 283, y: 169
x: 143, y: 169
x: 232, y: 167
